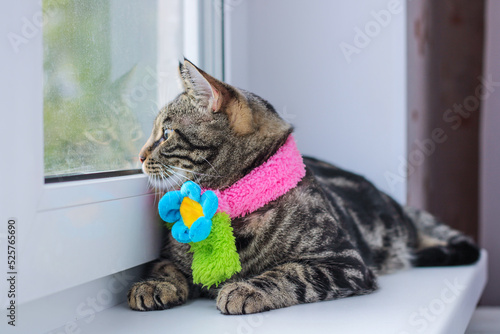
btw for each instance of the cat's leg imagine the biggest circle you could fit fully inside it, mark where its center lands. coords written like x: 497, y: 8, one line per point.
x: 166, y: 287
x: 296, y: 283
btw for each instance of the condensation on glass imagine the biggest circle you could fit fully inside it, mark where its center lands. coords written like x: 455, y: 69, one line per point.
x: 109, y: 66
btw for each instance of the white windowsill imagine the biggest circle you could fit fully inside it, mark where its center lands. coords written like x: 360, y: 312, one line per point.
x: 440, y: 299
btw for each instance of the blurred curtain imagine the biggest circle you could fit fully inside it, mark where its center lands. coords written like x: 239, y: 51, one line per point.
x: 445, y: 88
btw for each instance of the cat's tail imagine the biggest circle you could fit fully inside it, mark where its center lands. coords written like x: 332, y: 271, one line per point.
x: 439, y: 244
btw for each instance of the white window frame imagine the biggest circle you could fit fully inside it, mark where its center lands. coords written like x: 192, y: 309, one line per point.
x: 69, y: 233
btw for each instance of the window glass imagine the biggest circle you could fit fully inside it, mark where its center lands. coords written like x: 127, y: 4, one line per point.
x: 109, y: 65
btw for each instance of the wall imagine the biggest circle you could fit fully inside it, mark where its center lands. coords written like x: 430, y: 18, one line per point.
x: 336, y: 70
x: 490, y: 157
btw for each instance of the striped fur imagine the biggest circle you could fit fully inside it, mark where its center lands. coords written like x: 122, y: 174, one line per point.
x: 327, y: 238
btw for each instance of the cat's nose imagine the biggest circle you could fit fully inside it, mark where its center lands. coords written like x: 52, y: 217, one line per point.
x: 143, y: 153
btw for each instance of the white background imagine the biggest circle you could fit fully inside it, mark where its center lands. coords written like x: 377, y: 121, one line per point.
x: 351, y: 114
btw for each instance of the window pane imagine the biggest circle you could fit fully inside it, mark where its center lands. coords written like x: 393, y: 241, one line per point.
x: 109, y: 65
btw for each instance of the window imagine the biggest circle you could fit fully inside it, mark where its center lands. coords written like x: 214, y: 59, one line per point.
x: 109, y: 66
x: 65, y: 57
x: 103, y: 82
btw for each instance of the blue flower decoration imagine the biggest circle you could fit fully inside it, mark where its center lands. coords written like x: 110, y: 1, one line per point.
x: 190, y: 212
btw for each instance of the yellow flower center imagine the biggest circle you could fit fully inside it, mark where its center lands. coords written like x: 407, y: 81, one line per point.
x: 190, y: 211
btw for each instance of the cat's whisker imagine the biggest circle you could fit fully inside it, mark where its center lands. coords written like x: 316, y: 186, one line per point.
x: 196, y: 177
x: 178, y: 174
x: 177, y: 180
x: 169, y: 180
x: 161, y: 187
x: 174, y: 172
x: 212, y: 166
x: 151, y: 183
x: 157, y: 193
x: 166, y: 179
x: 189, y: 171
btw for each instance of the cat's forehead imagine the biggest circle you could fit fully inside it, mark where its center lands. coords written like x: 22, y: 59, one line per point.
x: 172, y: 109
x: 182, y: 110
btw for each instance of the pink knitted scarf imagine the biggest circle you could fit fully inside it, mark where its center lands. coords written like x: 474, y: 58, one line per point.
x: 264, y: 184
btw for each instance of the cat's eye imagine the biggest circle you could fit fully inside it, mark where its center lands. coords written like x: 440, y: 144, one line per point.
x: 167, y: 133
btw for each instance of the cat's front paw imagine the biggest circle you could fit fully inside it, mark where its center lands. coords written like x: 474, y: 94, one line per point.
x: 155, y: 295
x: 242, y: 298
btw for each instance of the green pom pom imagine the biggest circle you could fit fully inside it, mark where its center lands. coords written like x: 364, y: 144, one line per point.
x: 215, y: 259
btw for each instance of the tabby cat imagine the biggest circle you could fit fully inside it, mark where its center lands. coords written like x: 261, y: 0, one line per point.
x: 327, y: 238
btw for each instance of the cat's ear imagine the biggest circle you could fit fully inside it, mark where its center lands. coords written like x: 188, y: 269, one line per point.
x: 217, y: 96
x: 201, y: 86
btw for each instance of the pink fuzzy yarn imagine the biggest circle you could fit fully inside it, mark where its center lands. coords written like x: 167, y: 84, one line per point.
x: 264, y: 184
